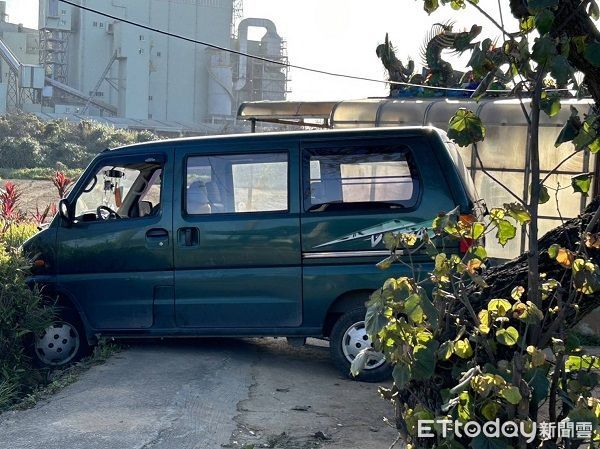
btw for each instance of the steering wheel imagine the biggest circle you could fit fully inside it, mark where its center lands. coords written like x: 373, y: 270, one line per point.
x: 111, y: 213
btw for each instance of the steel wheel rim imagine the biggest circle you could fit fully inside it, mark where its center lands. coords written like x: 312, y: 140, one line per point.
x: 58, y: 344
x: 355, y: 339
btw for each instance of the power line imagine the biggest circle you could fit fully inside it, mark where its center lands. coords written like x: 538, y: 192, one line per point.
x: 272, y: 61
x: 259, y: 58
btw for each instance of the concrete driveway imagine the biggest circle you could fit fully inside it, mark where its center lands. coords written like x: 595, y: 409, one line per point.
x: 198, y: 394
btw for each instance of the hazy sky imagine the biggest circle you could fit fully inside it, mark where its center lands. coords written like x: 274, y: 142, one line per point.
x: 337, y: 35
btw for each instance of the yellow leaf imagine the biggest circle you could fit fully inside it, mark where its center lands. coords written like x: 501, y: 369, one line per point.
x: 484, y: 322
x: 473, y: 265
x: 463, y: 349
x: 538, y: 358
x: 565, y: 257
x: 499, y: 306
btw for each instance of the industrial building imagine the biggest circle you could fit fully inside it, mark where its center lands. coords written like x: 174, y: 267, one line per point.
x: 90, y: 65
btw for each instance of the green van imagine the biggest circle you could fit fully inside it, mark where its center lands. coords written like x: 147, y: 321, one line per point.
x: 245, y: 235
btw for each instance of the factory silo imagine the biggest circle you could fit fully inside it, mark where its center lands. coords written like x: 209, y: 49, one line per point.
x: 220, y: 84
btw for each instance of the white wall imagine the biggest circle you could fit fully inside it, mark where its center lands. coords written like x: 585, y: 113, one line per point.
x: 159, y: 77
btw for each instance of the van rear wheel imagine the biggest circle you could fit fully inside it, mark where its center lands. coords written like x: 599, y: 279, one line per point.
x: 348, y: 338
x: 62, y: 343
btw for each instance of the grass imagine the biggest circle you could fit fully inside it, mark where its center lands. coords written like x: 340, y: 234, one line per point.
x: 37, y: 174
x: 59, y: 379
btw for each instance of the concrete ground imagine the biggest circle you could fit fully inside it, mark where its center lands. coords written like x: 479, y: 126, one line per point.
x: 198, y: 394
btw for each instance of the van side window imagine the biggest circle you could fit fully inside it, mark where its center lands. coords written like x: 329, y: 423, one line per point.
x: 359, y: 177
x: 238, y: 183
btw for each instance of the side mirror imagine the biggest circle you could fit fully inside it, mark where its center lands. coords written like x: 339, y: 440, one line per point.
x: 64, y: 210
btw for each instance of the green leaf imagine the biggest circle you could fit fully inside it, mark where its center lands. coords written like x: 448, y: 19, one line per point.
x: 511, y: 394
x: 465, y: 128
x: 582, y: 183
x: 518, y: 212
x: 375, y: 319
x: 430, y: 310
x: 539, y: 383
x: 571, y: 128
x: 446, y: 350
x: 544, y: 50
x: 477, y: 230
x: 430, y: 5
x: 581, y: 363
x: 490, y: 410
x: 544, y: 195
x: 544, y: 20
x: 592, y: 53
x: 401, y: 374
x: 465, y: 407
x: 457, y: 4
x: 579, y: 42
x: 479, y: 252
x: 553, y: 250
x: 551, y: 104
x: 508, y: 336
x: 527, y: 24
x: 424, y: 360
x: 412, y: 308
x: 561, y: 70
x: 506, y: 231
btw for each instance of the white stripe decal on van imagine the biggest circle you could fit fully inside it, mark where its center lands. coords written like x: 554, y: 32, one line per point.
x: 375, y: 233
x: 336, y: 254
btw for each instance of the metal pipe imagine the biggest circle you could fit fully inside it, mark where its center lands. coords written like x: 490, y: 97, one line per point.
x: 243, y: 45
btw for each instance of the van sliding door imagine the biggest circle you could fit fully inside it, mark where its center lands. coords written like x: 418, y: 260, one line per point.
x: 237, y: 238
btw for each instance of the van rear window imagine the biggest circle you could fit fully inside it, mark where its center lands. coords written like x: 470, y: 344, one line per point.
x: 359, y: 177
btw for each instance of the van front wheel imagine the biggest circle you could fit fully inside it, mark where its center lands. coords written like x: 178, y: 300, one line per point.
x: 61, y: 343
x: 348, y: 338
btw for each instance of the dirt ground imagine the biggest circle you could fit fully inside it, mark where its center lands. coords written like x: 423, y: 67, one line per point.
x: 34, y: 193
x: 196, y: 394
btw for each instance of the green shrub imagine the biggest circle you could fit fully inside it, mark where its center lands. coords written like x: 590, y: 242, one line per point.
x: 22, y: 314
x: 15, y: 234
x: 475, y: 348
x: 20, y: 152
x: 38, y: 173
x: 27, y: 142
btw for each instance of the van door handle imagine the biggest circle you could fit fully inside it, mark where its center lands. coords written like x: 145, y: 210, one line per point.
x: 188, y: 236
x: 157, y: 238
x: 157, y: 233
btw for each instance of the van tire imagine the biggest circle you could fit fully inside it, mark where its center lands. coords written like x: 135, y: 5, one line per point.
x: 63, y: 343
x: 347, y: 337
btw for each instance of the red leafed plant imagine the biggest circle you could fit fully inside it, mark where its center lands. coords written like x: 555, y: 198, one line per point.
x: 61, y: 182
x: 40, y: 217
x: 9, y: 197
